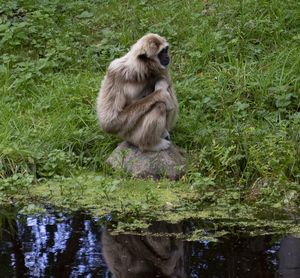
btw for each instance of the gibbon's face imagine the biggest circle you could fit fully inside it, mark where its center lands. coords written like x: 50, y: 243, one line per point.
x: 163, y: 57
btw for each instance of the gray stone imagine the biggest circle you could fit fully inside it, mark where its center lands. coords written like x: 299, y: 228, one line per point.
x: 168, y: 163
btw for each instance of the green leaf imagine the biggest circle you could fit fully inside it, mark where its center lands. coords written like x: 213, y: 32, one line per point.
x: 86, y: 14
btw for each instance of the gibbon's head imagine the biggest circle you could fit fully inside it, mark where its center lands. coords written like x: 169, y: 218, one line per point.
x: 152, y: 49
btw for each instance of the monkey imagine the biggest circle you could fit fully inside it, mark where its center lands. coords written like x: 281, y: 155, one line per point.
x: 136, y: 101
x: 148, y: 256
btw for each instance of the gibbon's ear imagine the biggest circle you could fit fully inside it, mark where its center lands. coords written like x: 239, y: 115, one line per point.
x: 143, y: 56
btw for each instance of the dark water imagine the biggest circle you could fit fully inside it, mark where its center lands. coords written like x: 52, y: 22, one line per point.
x: 58, y: 245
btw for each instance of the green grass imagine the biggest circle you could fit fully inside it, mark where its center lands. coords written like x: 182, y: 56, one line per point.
x: 235, y: 67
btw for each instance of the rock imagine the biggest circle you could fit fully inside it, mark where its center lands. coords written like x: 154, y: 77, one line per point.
x: 168, y: 163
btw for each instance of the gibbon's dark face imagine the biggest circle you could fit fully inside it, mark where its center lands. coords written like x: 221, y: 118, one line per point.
x: 163, y: 57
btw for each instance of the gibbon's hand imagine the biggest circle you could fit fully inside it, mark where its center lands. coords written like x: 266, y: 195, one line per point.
x: 161, y: 84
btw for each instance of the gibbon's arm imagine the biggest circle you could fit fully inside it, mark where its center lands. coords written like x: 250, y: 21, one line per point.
x: 171, y: 100
x: 172, y: 115
x: 132, y: 113
x: 110, y: 104
x: 119, y: 102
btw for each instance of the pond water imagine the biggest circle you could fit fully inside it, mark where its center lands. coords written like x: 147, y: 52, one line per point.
x: 62, y: 245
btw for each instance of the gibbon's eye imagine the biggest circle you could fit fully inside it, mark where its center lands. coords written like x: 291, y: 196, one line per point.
x: 163, y: 56
x: 164, y: 50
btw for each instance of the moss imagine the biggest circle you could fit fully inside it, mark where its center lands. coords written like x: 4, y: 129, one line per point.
x: 132, y: 204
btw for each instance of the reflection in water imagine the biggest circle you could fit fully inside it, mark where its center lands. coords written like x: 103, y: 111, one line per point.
x: 289, y: 257
x: 146, y: 256
x: 55, y: 245
x: 58, y: 245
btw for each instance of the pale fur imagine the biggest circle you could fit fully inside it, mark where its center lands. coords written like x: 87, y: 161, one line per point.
x: 132, y: 256
x: 136, y: 101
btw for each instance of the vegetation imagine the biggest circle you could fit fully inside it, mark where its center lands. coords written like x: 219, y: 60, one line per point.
x: 236, y: 70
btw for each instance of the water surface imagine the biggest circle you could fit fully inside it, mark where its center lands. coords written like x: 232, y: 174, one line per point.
x: 62, y: 245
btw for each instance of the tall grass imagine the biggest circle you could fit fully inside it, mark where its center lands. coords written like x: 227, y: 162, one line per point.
x: 235, y: 66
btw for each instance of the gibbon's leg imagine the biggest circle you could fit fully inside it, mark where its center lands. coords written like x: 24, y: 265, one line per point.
x: 171, y: 104
x: 146, y: 135
x: 173, y: 113
x: 171, y: 119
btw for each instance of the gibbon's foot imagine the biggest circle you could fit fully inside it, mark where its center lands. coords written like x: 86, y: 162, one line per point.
x: 162, y: 145
x: 166, y: 135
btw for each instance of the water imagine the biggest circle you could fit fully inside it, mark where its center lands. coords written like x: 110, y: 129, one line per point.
x: 58, y: 245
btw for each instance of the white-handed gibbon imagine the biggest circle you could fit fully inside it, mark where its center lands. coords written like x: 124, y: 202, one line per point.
x: 136, y: 101
x: 148, y: 256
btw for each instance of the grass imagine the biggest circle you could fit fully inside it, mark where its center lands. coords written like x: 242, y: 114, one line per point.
x: 235, y: 67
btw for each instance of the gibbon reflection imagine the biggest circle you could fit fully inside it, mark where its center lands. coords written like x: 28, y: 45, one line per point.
x: 132, y: 256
